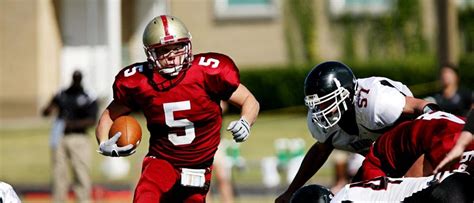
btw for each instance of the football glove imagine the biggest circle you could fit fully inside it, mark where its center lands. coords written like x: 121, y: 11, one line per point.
x: 431, y: 107
x: 110, y: 148
x: 240, y: 129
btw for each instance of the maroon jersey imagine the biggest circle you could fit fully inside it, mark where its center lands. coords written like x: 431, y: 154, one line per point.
x: 433, y: 135
x: 183, y: 113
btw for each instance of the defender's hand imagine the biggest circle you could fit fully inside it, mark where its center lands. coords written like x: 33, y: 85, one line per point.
x: 110, y: 148
x: 452, y: 157
x: 240, y: 129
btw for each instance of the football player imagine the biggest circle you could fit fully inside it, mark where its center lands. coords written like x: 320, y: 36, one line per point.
x: 179, y: 94
x: 349, y: 114
x: 8, y: 194
x: 466, y: 137
x: 441, y: 188
x: 432, y: 135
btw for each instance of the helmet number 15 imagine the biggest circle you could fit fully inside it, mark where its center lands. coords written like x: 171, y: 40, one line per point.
x: 169, y: 109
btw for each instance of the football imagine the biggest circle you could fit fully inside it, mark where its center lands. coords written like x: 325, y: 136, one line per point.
x: 130, y: 129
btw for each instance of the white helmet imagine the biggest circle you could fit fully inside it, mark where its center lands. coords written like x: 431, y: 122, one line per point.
x: 167, y: 30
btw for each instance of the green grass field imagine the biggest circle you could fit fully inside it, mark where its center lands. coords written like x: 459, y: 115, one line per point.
x: 25, y: 154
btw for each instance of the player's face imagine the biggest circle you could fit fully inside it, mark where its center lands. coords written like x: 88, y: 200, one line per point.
x: 171, y: 55
x: 327, y: 110
x: 448, y: 76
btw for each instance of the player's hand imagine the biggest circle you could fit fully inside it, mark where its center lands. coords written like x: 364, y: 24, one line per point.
x: 456, y: 152
x: 283, y: 198
x: 110, y: 148
x: 452, y: 157
x: 240, y: 129
x: 430, y: 108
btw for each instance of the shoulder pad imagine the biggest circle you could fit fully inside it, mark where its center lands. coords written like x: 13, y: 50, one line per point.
x: 213, y: 63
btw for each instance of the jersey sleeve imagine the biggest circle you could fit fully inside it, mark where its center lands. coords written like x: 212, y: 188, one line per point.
x: 386, y: 108
x: 221, y: 74
x: 401, y: 87
x: 123, y: 91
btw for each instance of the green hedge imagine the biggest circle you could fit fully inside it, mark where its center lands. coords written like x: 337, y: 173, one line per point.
x: 280, y: 87
x: 466, y: 71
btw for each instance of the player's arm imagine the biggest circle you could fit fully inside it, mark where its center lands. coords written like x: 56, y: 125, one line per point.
x: 415, y: 106
x: 113, y: 111
x: 249, y: 106
x: 49, y: 108
x: 245, y: 100
x: 312, y: 162
x: 466, y: 137
x: 108, y: 146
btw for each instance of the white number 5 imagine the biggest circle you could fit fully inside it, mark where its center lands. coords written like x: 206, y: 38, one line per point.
x: 131, y: 71
x: 169, y: 109
x: 208, y: 62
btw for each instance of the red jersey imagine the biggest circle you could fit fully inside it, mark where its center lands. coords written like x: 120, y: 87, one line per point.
x: 183, y: 113
x: 433, y: 135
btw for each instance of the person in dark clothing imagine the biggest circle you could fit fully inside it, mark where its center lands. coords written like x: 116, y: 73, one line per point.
x: 70, y: 144
x: 453, y: 98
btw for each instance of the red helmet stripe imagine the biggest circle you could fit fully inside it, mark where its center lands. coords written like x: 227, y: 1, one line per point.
x: 165, y: 24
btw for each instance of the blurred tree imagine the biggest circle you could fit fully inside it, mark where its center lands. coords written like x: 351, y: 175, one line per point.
x: 394, y: 35
x: 300, y: 31
x: 448, y: 32
x: 466, y: 26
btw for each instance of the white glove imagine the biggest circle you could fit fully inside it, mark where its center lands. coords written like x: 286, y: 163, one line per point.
x: 110, y: 148
x: 240, y: 129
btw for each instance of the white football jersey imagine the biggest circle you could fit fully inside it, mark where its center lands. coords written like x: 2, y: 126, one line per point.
x: 378, y: 103
x: 385, y: 189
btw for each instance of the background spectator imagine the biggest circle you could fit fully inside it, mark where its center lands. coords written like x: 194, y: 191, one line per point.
x: 76, y: 111
x: 453, y: 98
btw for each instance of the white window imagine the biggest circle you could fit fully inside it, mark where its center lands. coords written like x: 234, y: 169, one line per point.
x: 360, y: 7
x: 245, y: 9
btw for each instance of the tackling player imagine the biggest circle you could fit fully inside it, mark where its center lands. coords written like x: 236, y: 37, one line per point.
x: 432, y: 134
x: 443, y: 188
x: 466, y: 137
x: 179, y: 94
x: 349, y: 114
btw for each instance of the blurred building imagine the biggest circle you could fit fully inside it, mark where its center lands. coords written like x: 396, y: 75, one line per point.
x: 43, y: 41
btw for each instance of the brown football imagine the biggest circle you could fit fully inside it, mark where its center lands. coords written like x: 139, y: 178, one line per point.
x: 130, y: 129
